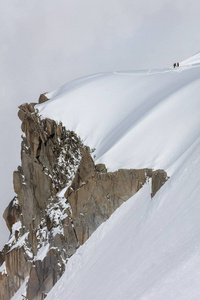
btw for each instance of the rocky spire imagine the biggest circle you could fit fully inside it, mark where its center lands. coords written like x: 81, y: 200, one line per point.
x: 62, y: 197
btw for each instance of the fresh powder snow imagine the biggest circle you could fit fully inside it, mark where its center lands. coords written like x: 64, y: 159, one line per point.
x: 151, y: 117
x: 149, y: 248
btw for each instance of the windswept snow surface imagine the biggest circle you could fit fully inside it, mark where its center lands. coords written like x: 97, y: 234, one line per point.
x: 195, y: 59
x: 133, y: 120
x: 149, y: 248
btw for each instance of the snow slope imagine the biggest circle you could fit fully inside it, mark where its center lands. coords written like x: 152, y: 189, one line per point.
x: 149, y: 248
x: 152, y: 116
x: 195, y: 59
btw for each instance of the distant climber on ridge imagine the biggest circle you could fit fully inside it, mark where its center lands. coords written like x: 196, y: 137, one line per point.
x: 176, y: 65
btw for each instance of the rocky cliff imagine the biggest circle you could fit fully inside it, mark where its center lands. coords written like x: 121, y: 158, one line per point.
x: 62, y: 197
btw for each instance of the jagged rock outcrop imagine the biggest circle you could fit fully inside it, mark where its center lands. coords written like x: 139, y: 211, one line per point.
x: 38, y: 217
x: 94, y: 195
x: 62, y: 197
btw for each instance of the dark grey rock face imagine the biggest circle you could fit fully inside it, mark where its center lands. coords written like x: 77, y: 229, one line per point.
x: 38, y: 217
x: 62, y: 197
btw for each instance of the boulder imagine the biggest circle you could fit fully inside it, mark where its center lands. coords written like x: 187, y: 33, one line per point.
x: 42, y: 98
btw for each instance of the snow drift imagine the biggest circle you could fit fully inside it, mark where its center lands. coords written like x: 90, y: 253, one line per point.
x: 151, y: 117
x: 148, y: 249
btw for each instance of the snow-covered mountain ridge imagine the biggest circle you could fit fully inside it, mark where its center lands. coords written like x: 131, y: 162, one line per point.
x: 134, y: 122
x: 111, y: 112
x: 62, y: 198
x: 149, y: 249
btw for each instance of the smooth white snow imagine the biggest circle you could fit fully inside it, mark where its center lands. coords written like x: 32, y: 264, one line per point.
x: 195, y: 59
x: 149, y: 248
x: 133, y: 120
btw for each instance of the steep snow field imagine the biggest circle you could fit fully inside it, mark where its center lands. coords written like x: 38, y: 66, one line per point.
x: 135, y: 119
x: 149, y: 248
